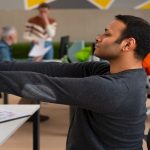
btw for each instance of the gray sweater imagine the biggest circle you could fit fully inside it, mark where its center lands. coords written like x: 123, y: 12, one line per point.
x: 109, y: 108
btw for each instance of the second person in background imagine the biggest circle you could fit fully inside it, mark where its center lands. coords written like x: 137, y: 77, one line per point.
x: 41, y: 28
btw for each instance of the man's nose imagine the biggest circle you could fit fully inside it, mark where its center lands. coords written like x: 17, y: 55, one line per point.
x: 99, y: 38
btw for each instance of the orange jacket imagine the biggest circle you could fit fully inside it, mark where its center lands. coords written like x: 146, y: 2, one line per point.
x: 146, y: 64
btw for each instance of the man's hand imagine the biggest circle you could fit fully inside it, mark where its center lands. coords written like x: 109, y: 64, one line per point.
x: 35, y: 42
x: 45, y: 18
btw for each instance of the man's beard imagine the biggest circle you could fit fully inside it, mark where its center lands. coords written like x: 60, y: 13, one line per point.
x: 108, y: 57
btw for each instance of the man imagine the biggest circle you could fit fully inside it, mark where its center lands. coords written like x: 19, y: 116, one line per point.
x: 41, y: 28
x: 109, y: 100
x: 8, y: 38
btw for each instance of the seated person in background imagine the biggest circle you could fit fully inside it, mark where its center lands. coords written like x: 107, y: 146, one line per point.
x: 8, y: 38
x: 109, y: 99
x: 41, y: 27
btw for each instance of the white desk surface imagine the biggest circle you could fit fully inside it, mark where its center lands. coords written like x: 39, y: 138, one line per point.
x: 9, y: 128
x: 52, y: 60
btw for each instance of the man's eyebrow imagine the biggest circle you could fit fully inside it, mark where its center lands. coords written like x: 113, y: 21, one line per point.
x: 108, y: 30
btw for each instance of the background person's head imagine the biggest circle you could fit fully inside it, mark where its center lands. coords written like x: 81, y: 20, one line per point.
x: 9, y: 35
x: 126, y: 35
x: 43, y: 9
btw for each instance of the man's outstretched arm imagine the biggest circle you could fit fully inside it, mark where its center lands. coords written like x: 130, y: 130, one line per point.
x: 94, y: 93
x: 55, y: 69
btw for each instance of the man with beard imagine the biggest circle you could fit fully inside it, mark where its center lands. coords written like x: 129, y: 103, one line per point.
x: 109, y: 99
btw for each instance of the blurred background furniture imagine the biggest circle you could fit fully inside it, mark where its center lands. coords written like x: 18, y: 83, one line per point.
x: 73, y: 49
x: 64, y: 44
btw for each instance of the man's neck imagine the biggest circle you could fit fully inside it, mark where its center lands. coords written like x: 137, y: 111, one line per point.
x: 119, y: 66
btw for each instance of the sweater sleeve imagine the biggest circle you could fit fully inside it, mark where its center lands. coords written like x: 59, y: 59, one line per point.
x: 51, y: 29
x: 55, y: 69
x: 97, y: 93
x: 28, y: 32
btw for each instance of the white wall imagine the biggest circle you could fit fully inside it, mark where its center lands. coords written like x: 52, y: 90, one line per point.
x: 80, y: 24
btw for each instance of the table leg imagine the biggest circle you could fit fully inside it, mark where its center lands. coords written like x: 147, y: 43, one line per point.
x: 36, y: 130
x: 5, y: 97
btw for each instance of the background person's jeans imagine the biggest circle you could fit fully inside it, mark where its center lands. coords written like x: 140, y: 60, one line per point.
x: 50, y: 53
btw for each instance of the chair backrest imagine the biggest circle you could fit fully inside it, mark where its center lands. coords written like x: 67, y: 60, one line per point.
x: 74, y: 48
x: 146, y: 64
x: 64, y: 44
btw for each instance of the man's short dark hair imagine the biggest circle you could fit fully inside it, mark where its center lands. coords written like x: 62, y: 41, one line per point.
x: 44, y: 5
x: 139, y: 29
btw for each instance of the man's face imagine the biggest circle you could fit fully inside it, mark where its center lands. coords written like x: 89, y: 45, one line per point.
x: 106, y: 46
x: 43, y: 11
x: 14, y: 38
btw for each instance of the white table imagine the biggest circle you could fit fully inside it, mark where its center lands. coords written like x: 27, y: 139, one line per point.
x: 52, y: 60
x: 9, y: 128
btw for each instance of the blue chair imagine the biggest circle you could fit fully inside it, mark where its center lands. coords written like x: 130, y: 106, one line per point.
x: 74, y: 48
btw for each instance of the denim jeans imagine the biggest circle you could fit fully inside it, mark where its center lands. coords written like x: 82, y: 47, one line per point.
x: 50, y: 53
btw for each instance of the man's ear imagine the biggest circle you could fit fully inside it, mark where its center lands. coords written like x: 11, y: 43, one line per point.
x: 128, y: 44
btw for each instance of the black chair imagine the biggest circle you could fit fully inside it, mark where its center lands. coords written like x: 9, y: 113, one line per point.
x: 64, y: 44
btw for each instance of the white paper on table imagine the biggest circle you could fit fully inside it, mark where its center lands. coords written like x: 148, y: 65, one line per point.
x: 6, y: 115
x: 39, y: 49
